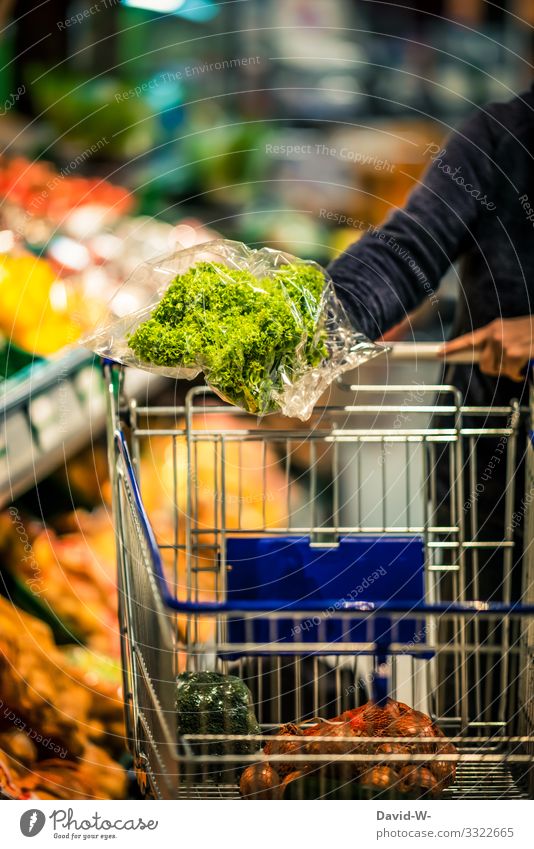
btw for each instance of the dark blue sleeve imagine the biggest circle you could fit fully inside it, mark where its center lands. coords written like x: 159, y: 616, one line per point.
x: 391, y: 269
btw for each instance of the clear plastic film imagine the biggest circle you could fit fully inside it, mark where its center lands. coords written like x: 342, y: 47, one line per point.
x: 265, y: 327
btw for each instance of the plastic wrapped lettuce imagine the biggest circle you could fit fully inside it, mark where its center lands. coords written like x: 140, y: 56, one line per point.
x: 264, y: 327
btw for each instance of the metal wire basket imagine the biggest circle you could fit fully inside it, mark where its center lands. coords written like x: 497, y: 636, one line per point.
x: 325, y: 565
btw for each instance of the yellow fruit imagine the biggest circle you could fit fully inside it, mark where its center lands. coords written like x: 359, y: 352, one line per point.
x: 35, y: 308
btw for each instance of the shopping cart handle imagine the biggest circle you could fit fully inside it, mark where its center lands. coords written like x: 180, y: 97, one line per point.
x: 414, y: 351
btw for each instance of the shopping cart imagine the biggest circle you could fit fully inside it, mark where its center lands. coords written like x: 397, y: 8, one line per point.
x: 324, y: 564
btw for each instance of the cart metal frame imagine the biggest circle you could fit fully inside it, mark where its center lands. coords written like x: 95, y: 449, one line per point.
x: 469, y: 664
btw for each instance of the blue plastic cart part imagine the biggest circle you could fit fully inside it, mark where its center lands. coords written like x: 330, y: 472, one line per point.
x: 357, y: 570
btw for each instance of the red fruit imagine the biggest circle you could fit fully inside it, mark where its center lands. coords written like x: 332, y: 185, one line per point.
x: 379, y: 778
x: 347, y: 744
x: 294, y: 745
x: 417, y: 781
x: 260, y: 781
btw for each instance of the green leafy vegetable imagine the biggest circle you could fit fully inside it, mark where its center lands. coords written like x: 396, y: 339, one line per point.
x: 211, y: 703
x: 249, y: 336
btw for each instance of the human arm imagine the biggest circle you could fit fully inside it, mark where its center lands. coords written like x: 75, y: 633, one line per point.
x: 391, y: 269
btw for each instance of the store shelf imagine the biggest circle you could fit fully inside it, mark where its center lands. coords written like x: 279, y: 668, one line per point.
x: 48, y: 413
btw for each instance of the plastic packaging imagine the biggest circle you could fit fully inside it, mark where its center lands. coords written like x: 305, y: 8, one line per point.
x: 265, y: 328
x: 212, y: 703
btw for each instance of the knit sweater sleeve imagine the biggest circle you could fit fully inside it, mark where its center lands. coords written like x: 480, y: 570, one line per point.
x: 391, y: 269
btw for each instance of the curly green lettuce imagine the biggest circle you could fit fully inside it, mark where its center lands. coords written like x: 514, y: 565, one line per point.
x: 248, y: 335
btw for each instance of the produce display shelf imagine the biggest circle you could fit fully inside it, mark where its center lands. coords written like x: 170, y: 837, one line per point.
x: 48, y: 412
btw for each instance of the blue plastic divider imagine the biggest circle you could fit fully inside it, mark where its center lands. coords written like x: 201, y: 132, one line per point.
x: 291, y: 569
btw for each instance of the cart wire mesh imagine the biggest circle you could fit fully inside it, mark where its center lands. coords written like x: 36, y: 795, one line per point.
x: 399, y: 470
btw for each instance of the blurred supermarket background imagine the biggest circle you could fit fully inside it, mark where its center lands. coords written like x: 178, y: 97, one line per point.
x: 131, y: 129
x: 296, y: 124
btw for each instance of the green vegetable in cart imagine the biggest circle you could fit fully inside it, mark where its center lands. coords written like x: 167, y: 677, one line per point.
x: 249, y: 335
x: 212, y: 703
